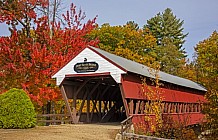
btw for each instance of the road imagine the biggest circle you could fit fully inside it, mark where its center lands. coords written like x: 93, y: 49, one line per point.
x: 63, y: 132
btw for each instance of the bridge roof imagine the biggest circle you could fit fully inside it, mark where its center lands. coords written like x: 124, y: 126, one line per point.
x: 134, y: 67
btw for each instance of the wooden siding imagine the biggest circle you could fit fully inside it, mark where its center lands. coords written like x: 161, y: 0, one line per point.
x: 104, y: 66
x: 132, y: 86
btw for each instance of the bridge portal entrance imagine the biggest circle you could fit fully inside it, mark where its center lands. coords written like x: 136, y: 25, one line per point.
x: 95, y: 98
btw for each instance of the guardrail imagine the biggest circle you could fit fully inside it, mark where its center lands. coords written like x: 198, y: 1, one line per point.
x: 53, y: 118
x: 127, y: 134
x: 126, y: 125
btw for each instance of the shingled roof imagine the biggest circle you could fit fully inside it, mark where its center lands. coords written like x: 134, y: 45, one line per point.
x: 134, y: 67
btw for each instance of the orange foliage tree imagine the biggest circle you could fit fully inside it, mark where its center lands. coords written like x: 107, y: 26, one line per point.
x: 30, y: 55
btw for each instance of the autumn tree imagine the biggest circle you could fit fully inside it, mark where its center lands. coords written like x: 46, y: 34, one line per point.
x: 28, y: 61
x: 207, y: 74
x: 188, y: 70
x: 22, y: 13
x: 127, y: 41
x: 133, y: 25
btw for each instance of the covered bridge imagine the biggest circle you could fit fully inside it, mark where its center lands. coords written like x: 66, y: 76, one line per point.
x: 109, y: 88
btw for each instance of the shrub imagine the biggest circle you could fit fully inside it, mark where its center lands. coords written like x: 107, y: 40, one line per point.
x: 16, y: 110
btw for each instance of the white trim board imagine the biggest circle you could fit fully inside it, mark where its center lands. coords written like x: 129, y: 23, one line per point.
x: 91, y: 56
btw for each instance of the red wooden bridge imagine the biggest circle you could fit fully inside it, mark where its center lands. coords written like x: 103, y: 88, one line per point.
x: 109, y: 88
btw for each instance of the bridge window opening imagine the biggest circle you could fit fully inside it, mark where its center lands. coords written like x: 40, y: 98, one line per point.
x: 144, y: 107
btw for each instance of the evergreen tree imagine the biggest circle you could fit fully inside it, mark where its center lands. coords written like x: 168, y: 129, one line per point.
x: 166, y: 25
x: 170, y: 39
x: 169, y: 57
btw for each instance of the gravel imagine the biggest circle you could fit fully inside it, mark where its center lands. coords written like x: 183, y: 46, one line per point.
x: 63, y: 132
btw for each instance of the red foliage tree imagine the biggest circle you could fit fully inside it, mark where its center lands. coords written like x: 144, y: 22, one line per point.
x: 28, y: 61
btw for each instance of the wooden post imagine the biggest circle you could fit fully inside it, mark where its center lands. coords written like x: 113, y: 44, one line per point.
x: 88, y: 100
x: 137, y: 107
x: 48, y: 111
x: 66, y: 101
x: 142, y: 107
x: 88, y: 110
x: 169, y: 107
x: 105, y: 106
x: 180, y: 108
x: 82, y: 105
x: 124, y: 100
x: 74, y: 108
x: 81, y: 86
x: 185, y: 106
x: 99, y: 106
x: 131, y: 105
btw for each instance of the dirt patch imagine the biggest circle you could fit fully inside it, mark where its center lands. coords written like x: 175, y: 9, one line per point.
x: 63, y: 132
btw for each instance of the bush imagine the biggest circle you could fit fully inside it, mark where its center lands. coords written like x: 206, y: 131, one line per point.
x: 16, y: 110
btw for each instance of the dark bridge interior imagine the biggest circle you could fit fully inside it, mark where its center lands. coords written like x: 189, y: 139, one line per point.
x: 94, y: 98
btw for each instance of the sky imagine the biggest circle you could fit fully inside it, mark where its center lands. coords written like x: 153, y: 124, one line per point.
x: 200, y: 16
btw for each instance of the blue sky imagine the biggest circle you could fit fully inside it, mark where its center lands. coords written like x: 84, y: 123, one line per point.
x: 200, y: 16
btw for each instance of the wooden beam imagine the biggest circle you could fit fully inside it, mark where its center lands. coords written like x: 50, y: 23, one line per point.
x: 95, y: 87
x: 99, y: 107
x: 131, y: 106
x: 142, y: 107
x: 66, y: 101
x: 109, y: 104
x: 124, y: 100
x: 169, y: 107
x: 77, y: 91
x: 94, y: 108
x: 74, y: 108
x: 103, y: 93
x: 81, y: 86
x: 185, y: 106
x: 82, y: 104
x: 105, y: 106
x: 111, y: 96
x: 88, y: 110
x: 137, y: 107
x: 162, y: 107
x: 95, y: 105
x: 88, y: 100
x: 89, y: 97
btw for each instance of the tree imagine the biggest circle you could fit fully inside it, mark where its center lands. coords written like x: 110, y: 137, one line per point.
x: 133, y: 25
x: 20, y: 12
x: 53, y: 11
x: 170, y: 39
x: 166, y: 25
x: 207, y: 74
x: 28, y: 62
x: 16, y: 110
x: 127, y: 41
x: 169, y: 57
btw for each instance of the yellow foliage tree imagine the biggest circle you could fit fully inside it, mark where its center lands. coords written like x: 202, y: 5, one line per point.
x: 207, y: 74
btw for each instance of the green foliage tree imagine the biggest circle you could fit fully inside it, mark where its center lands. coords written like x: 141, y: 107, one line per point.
x: 169, y: 57
x: 207, y: 74
x: 166, y: 25
x: 168, y: 31
x: 16, y: 110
